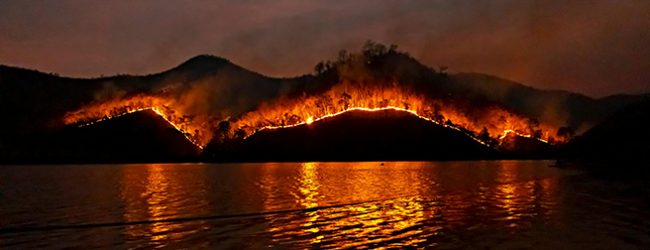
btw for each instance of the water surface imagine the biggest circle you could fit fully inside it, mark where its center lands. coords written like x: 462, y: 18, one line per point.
x: 474, y: 204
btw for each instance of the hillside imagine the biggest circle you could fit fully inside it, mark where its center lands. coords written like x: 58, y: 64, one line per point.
x: 35, y: 102
x: 575, y: 110
x: 622, y: 137
x: 356, y: 135
x: 206, y: 90
x: 137, y: 137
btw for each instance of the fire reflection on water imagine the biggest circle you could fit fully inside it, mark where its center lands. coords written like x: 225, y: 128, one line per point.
x: 154, y: 192
x: 362, y: 220
x: 452, y: 205
x: 359, y: 204
x: 365, y: 204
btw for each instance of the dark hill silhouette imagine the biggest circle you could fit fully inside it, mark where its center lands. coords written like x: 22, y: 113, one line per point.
x: 142, y: 136
x: 34, y: 103
x: 355, y: 135
x: 578, y: 111
x: 378, y: 64
x: 515, y: 146
x: 623, y: 137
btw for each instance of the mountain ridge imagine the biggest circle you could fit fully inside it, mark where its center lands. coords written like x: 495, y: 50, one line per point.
x: 35, y: 102
x: 352, y: 136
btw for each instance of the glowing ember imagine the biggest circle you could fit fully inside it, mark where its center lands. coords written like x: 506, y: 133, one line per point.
x: 488, y: 125
x: 197, y: 129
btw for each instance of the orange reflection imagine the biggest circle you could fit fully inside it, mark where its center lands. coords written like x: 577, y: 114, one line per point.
x: 309, y: 197
x: 400, y: 204
x: 517, y: 195
x: 507, y: 191
x: 151, y: 192
x: 362, y: 220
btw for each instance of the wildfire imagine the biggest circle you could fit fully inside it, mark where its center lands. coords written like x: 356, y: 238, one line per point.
x: 196, y: 128
x: 487, y: 125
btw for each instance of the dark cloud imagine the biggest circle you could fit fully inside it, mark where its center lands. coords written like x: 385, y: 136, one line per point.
x: 595, y: 47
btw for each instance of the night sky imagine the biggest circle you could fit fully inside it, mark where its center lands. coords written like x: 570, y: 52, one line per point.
x: 592, y: 47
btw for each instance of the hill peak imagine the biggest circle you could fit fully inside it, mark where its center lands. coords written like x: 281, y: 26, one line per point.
x: 206, y: 58
x: 202, y: 63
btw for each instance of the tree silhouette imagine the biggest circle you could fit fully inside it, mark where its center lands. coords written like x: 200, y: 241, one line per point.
x: 240, y: 134
x: 327, y: 103
x: 372, y: 49
x: 223, y: 129
x: 392, y: 48
x: 343, y: 57
x: 533, y: 125
x: 319, y: 68
x: 484, y: 135
x: 345, y: 100
x: 437, y: 115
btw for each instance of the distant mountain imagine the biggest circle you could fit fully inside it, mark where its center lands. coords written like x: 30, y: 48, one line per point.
x: 35, y: 102
x: 622, y: 137
x: 557, y: 106
x: 352, y: 136
x: 137, y: 137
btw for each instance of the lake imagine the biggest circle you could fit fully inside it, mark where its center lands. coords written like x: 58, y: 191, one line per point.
x: 468, y: 204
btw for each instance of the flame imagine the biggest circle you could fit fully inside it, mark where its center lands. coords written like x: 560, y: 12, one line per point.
x: 488, y: 125
x: 196, y: 128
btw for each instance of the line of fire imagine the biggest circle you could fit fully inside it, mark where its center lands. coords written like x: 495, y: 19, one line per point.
x: 488, y: 125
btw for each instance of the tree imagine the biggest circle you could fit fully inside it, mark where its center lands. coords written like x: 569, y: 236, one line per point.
x: 484, y: 135
x: 533, y: 124
x: 223, y: 129
x: 437, y: 115
x: 197, y: 135
x: 392, y: 48
x: 343, y: 56
x: 345, y: 100
x: 327, y: 103
x: 240, y: 134
x: 319, y: 68
x: 372, y: 49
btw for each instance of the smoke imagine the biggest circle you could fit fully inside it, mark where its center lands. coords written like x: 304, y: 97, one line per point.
x: 200, y: 93
x: 594, y: 47
x: 210, y: 90
x: 109, y: 90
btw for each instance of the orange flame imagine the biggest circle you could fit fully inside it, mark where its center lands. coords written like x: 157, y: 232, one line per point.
x: 487, y: 124
x: 494, y: 120
x: 196, y: 128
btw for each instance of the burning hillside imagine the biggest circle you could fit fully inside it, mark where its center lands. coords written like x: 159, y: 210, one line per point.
x: 376, y: 79
x: 381, y: 78
x: 196, y: 128
x: 357, y: 134
x: 489, y: 124
x: 213, y: 101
